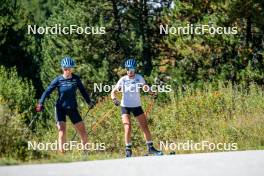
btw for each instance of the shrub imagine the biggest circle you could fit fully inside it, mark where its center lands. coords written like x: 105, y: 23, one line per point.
x: 16, y: 110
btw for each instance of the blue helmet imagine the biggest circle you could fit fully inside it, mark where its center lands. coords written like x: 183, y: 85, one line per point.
x: 67, y: 62
x: 131, y: 63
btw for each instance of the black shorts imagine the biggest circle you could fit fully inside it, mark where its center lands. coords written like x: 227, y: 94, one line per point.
x: 74, y: 115
x: 136, y: 111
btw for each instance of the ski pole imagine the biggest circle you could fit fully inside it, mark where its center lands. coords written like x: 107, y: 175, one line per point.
x: 30, y: 124
x: 149, y: 107
x: 94, y: 126
x: 73, y: 137
x: 103, y: 118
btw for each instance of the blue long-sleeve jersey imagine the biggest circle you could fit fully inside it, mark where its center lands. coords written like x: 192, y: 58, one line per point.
x: 66, y: 91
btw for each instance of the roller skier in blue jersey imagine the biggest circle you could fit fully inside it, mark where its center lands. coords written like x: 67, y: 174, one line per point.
x: 67, y: 85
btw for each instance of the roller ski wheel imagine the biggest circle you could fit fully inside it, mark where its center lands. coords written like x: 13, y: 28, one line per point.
x: 153, y: 152
x: 128, y: 153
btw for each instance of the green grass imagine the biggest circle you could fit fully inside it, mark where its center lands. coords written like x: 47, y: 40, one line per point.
x: 222, y: 114
x: 61, y: 158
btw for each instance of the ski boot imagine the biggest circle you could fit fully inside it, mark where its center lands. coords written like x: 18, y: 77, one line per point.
x: 128, y: 151
x: 152, y: 150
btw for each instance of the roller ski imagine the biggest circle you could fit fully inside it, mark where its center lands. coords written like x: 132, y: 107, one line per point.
x: 152, y: 151
x: 128, y: 152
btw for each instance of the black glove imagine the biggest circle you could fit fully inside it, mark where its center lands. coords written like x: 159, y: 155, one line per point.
x: 116, y: 102
x: 154, y: 95
x: 39, y: 108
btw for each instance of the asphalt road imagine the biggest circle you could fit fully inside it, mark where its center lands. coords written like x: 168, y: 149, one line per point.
x: 244, y: 163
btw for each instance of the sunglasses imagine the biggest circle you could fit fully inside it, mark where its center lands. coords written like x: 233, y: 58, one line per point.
x: 67, y: 69
x: 131, y: 69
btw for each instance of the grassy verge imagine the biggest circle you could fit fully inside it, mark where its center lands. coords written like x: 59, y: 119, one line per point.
x: 221, y: 114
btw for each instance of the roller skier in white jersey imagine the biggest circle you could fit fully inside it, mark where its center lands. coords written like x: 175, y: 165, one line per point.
x: 130, y: 86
